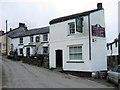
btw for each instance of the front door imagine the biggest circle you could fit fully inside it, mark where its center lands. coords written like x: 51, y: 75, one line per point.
x: 28, y: 52
x: 59, y: 58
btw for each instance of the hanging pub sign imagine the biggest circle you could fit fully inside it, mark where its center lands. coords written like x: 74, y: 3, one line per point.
x: 98, y: 31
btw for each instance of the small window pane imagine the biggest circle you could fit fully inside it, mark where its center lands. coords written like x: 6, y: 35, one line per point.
x: 45, y: 37
x: 31, y: 38
x: 21, y: 51
x: 37, y: 38
x: 21, y: 40
x: 79, y: 24
x: 71, y: 27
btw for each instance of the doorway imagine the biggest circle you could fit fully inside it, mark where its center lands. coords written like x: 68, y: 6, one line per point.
x: 59, y: 58
x: 28, y: 52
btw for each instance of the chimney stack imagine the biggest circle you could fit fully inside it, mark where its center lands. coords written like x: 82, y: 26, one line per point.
x: 10, y: 29
x: 99, y: 6
x: 21, y: 25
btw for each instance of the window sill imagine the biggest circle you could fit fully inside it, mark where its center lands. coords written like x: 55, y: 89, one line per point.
x: 75, y: 34
x: 75, y: 61
x: 44, y: 41
x: 31, y: 43
x: 20, y: 44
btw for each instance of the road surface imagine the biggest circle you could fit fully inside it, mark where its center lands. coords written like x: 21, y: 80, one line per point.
x: 19, y: 75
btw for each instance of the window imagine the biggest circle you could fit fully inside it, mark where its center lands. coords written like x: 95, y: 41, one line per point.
x: 4, y: 46
x: 45, y: 37
x: 37, y: 38
x: 45, y: 50
x: 31, y: 38
x: 71, y: 28
x: 79, y: 25
x: 75, y: 53
x: 21, y: 51
x: 21, y: 40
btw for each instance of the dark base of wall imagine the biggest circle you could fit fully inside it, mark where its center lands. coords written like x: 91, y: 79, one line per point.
x: 79, y: 74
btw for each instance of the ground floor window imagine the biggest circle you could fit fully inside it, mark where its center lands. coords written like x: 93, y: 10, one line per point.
x: 75, y: 52
x: 21, y: 51
x: 45, y: 50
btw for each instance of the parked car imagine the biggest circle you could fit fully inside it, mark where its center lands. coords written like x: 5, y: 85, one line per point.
x: 114, y: 75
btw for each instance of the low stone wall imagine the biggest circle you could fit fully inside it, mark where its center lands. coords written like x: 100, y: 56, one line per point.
x: 35, y: 61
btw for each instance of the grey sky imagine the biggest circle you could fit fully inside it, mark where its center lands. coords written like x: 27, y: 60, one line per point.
x: 38, y: 13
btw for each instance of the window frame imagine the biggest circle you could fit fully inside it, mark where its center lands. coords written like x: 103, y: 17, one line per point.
x: 76, y: 31
x: 37, y: 37
x: 75, y: 53
x: 31, y: 39
x: 21, y: 40
x: 20, y: 51
x: 43, y: 50
x: 70, y: 33
x: 45, y: 39
x: 80, y: 26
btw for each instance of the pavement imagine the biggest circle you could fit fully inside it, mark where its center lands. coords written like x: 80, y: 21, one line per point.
x: 19, y: 75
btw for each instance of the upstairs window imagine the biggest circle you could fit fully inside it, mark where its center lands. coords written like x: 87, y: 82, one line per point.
x: 71, y: 27
x: 37, y: 38
x: 45, y: 37
x: 21, y: 40
x: 79, y: 25
x: 31, y: 38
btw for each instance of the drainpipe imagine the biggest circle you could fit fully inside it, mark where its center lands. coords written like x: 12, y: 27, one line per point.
x: 89, y: 37
x: 6, y: 39
x: 119, y: 48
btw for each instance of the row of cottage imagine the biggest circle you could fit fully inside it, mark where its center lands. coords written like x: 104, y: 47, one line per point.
x: 76, y: 42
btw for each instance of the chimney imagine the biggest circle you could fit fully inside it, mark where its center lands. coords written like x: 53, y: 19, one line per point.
x: 99, y: 6
x: 21, y: 25
x: 10, y: 29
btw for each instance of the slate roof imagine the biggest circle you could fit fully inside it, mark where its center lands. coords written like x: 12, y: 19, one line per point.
x: 16, y: 32
x: 61, y: 19
x: 31, y: 32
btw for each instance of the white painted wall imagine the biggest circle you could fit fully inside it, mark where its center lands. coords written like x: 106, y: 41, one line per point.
x: 59, y: 39
x: 26, y: 41
x: 99, y: 51
x: 118, y: 17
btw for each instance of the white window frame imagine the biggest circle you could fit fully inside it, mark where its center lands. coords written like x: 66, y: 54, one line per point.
x: 75, y: 52
x: 74, y: 21
x: 69, y: 27
x: 46, y: 37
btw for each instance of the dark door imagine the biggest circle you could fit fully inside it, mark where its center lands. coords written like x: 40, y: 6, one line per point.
x: 58, y: 58
x: 28, y: 52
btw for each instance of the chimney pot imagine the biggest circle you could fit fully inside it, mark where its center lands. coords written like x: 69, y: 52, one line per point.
x: 21, y: 25
x: 10, y: 29
x: 99, y: 6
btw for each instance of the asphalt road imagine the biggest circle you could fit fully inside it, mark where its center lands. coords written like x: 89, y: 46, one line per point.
x: 19, y: 75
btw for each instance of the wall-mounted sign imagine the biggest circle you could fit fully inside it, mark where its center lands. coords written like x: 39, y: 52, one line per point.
x: 98, y: 31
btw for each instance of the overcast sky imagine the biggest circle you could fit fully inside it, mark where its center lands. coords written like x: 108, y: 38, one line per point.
x: 38, y: 13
